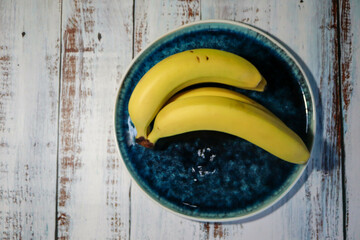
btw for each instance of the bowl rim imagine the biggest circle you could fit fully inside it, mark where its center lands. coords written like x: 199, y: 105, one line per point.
x: 312, y: 122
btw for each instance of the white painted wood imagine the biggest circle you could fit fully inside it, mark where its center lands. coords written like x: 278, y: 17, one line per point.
x: 29, y: 77
x: 350, y: 54
x: 148, y: 219
x: 309, y: 29
x: 93, y: 186
x: 315, y: 210
x: 96, y: 199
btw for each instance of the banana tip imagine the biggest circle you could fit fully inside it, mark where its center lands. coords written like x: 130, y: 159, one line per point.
x: 144, y: 142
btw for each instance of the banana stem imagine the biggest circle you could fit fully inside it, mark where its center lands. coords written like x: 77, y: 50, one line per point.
x: 144, y: 142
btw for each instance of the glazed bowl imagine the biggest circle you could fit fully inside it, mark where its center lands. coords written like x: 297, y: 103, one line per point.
x: 212, y: 176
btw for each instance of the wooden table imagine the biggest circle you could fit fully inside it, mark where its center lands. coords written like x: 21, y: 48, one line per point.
x: 61, y: 64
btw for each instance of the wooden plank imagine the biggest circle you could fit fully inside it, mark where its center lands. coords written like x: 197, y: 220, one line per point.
x: 93, y: 187
x: 350, y: 74
x: 158, y: 17
x: 148, y: 219
x: 29, y: 85
x: 309, y: 28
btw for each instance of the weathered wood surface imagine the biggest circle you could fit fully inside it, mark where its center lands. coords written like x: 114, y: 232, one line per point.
x: 60, y: 174
x: 308, y: 28
x: 350, y: 87
x: 316, y: 209
x: 93, y: 188
x: 29, y: 77
x: 149, y: 220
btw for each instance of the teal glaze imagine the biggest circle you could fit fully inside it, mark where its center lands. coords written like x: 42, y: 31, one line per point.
x: 211, y: 175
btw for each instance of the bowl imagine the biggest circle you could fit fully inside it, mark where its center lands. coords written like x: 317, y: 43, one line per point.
x: 213, y: 176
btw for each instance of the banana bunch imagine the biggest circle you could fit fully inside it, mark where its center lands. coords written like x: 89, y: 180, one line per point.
x: 209, y: 108
x: 182, y: 70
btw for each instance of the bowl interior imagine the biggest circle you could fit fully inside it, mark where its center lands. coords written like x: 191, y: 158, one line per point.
x: 212, y: 175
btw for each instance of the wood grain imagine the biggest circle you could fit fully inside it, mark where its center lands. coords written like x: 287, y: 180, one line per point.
x: 350, y: 74
x: 88, y: 44
x: 314, y: 209
x: 148, y: 219
x: 29, y: 77
x: 93, y: 188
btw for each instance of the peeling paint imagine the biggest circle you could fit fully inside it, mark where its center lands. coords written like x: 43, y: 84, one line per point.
x: 346, y: 56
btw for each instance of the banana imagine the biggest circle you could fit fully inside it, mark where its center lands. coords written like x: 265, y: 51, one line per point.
x: 182, y: 70
x: 219, y: 92
x: 230, y: 116
x: 260, y: 87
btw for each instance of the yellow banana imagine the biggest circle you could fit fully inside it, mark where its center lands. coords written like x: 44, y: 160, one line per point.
x: 182, y: 70
x: 260, y: 87
x: 219, y: 92
x: 230, y: 116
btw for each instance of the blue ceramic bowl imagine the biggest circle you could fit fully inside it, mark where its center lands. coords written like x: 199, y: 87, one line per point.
x: 213, y: 176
